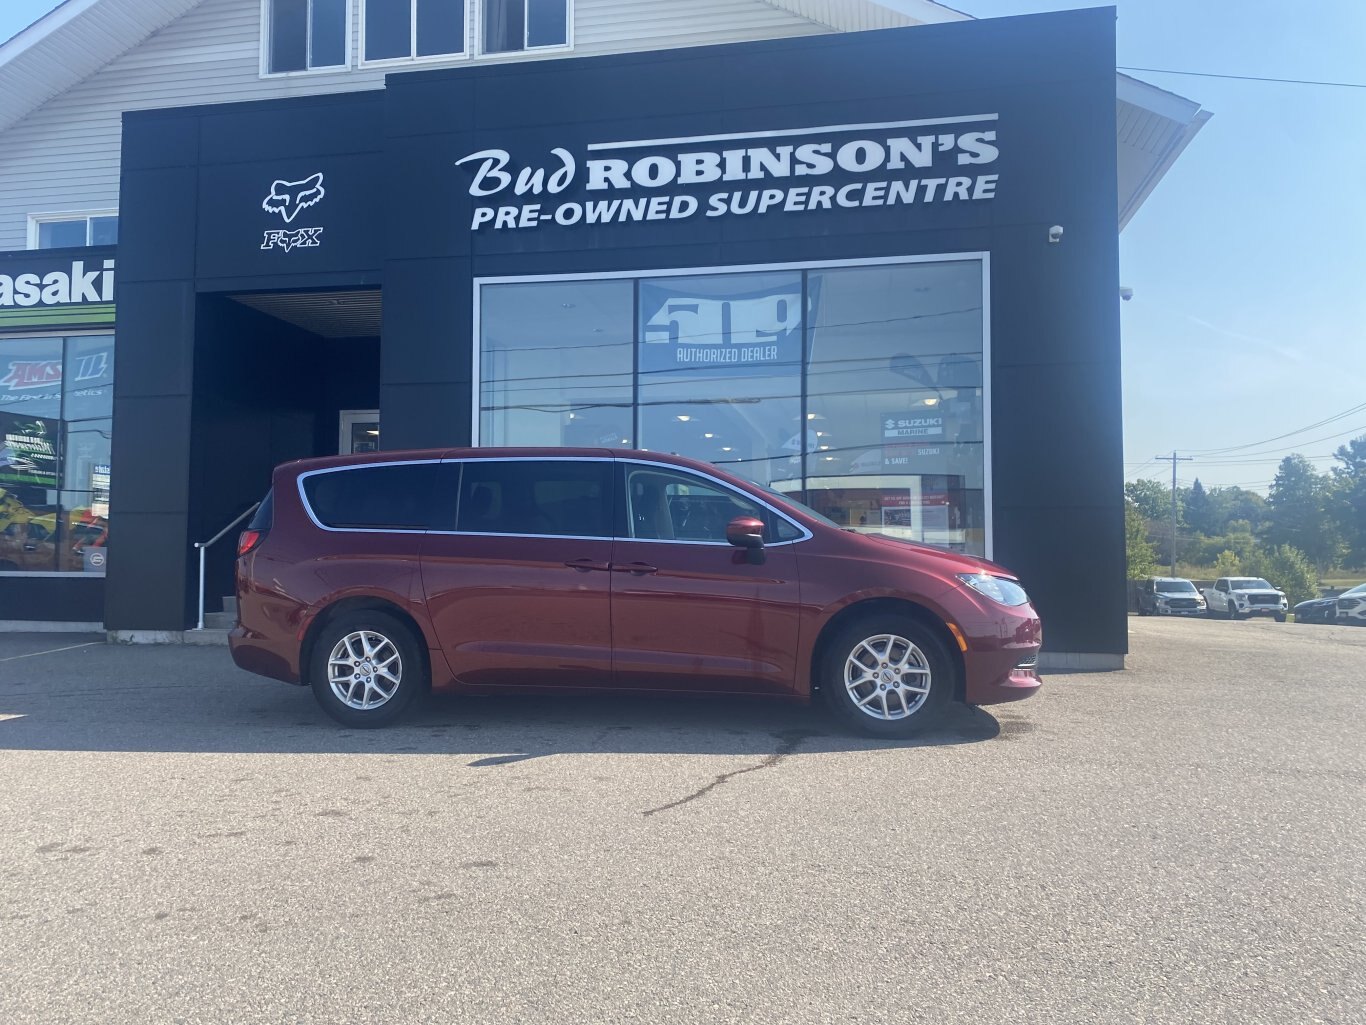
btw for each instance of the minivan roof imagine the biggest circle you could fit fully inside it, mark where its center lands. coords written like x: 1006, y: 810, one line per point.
x: 489, y: 452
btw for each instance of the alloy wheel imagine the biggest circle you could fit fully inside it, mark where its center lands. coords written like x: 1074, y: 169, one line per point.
x: 887, y: 676
x: 364, y: 670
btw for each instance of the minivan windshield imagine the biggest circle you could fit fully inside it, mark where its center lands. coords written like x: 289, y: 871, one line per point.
x: 799, y: 506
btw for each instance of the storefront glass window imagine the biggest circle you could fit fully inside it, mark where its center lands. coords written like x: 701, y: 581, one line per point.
x: 720, y: 370
x: 556, y: 364
x: 858, y: 389
x: 894, y: 401
x: 56, y: 398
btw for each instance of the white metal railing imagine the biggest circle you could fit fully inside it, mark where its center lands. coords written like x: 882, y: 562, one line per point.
x: 203, y: 547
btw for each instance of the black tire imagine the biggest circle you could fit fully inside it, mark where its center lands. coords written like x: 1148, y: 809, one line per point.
x: 930, y: 653
x: 1280, y: 617
x: 385, y: 635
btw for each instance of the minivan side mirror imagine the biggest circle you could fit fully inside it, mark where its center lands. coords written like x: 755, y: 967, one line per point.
x: 747, y: 534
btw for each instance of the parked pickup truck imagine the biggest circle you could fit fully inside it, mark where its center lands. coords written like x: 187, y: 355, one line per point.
x: 1169, y: 596
x: 1240, y: 597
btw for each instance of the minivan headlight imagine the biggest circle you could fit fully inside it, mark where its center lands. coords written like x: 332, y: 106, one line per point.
x: 998, y: 589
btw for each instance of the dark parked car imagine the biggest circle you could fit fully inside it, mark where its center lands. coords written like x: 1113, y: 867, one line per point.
x: 372, y: 578
x: 1169, y: 596
x: 1316, y: 610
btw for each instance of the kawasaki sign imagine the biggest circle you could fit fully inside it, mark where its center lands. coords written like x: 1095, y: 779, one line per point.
x: 44, y: 289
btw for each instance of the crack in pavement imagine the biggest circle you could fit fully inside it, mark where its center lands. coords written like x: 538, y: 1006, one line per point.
x: 789, y: 741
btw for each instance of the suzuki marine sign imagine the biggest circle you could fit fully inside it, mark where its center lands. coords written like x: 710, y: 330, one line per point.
x: 831, y: 167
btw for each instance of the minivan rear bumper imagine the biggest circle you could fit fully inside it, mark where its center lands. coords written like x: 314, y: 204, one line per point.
x: 256, y: 654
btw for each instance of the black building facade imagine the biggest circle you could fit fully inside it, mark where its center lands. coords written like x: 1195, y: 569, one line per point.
x: 878, y: 270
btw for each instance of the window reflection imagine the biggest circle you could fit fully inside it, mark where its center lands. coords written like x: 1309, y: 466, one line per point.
x: 720, y: 370
x: 56, y: 397
x: 859, y: 388
x: 894, y: 386
x: 556, y: 364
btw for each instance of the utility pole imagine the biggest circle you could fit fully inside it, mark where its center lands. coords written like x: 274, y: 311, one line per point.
x: 1174, y: 459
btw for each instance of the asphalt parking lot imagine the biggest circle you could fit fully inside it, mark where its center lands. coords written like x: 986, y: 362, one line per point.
x: 1182, y: 842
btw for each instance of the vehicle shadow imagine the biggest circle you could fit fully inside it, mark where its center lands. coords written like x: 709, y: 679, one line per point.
x: 187, y: 700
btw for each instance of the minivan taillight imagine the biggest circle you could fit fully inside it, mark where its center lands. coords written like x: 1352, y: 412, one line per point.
x: 248, y: 541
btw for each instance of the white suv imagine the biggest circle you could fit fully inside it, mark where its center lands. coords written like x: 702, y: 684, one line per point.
x: 1352, y: 606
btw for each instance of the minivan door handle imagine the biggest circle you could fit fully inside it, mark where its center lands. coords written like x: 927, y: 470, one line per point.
x: 640, y: 569
x: 587, y: 565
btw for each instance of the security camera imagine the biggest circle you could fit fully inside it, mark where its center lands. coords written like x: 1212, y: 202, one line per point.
x: 1126, y: 293
x: 1055, y: 233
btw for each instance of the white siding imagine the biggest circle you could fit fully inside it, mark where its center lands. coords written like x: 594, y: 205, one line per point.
x: 65, y: 155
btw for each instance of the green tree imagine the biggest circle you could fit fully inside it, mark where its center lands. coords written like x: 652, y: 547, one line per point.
x: 1288, y: 569
x: 1154, y: 500
x: 1348, y: 502
x: 1227, y: 565
x: 1142, y: 559
x: 1200, y: 510
x: 1298, y: 505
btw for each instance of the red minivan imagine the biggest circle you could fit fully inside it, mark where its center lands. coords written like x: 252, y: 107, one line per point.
x: 374, y: 578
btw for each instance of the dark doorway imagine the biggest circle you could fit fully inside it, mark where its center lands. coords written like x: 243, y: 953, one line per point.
x: 273, y: 373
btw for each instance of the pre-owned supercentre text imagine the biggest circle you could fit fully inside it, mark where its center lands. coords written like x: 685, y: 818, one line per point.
x: 919, y: 182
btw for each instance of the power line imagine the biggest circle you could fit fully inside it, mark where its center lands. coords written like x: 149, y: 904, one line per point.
x: 1247, y: 78
x: 1289, y: 434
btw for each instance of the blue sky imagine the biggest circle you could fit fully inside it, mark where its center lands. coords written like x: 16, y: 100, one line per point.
x: 1249, y: 302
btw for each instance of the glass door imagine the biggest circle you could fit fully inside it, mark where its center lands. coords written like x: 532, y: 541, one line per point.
x: 359, y: 431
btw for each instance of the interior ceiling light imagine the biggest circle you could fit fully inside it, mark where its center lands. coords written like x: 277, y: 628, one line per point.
x: 709, y: 435
x: 683, y: 418
x: 725, y: 448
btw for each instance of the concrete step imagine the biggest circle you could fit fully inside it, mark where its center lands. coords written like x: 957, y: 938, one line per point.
x: 230, y: 604
x: 209, y: 636
x: 220, y: 620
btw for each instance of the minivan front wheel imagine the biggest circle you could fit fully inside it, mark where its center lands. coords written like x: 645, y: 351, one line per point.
x: 366, y: 669
x: 887, y: 676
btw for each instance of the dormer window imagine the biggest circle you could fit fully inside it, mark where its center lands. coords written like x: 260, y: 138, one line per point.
x: 513, y: 25
x: 413, y: 29
x: 306, y: 35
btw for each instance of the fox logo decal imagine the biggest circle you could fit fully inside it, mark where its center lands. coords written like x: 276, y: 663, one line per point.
x: 288, y: 198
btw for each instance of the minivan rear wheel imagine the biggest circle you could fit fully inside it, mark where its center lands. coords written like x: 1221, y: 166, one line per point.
x: 887, y: 676
x: 366, y: 669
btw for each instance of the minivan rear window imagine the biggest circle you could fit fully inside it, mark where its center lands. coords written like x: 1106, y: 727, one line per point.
x: 384, y: 496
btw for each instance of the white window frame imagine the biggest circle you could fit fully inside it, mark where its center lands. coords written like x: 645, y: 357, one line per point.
x: 436, y: 58
x: 981, y: 257
x: 478, y: 24
x: 336, y: 69
x: 48, y: 217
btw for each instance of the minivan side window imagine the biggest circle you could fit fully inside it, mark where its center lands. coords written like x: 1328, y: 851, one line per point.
x: 383, y: 496
x: 668, y: 505
x: 553, y: 497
